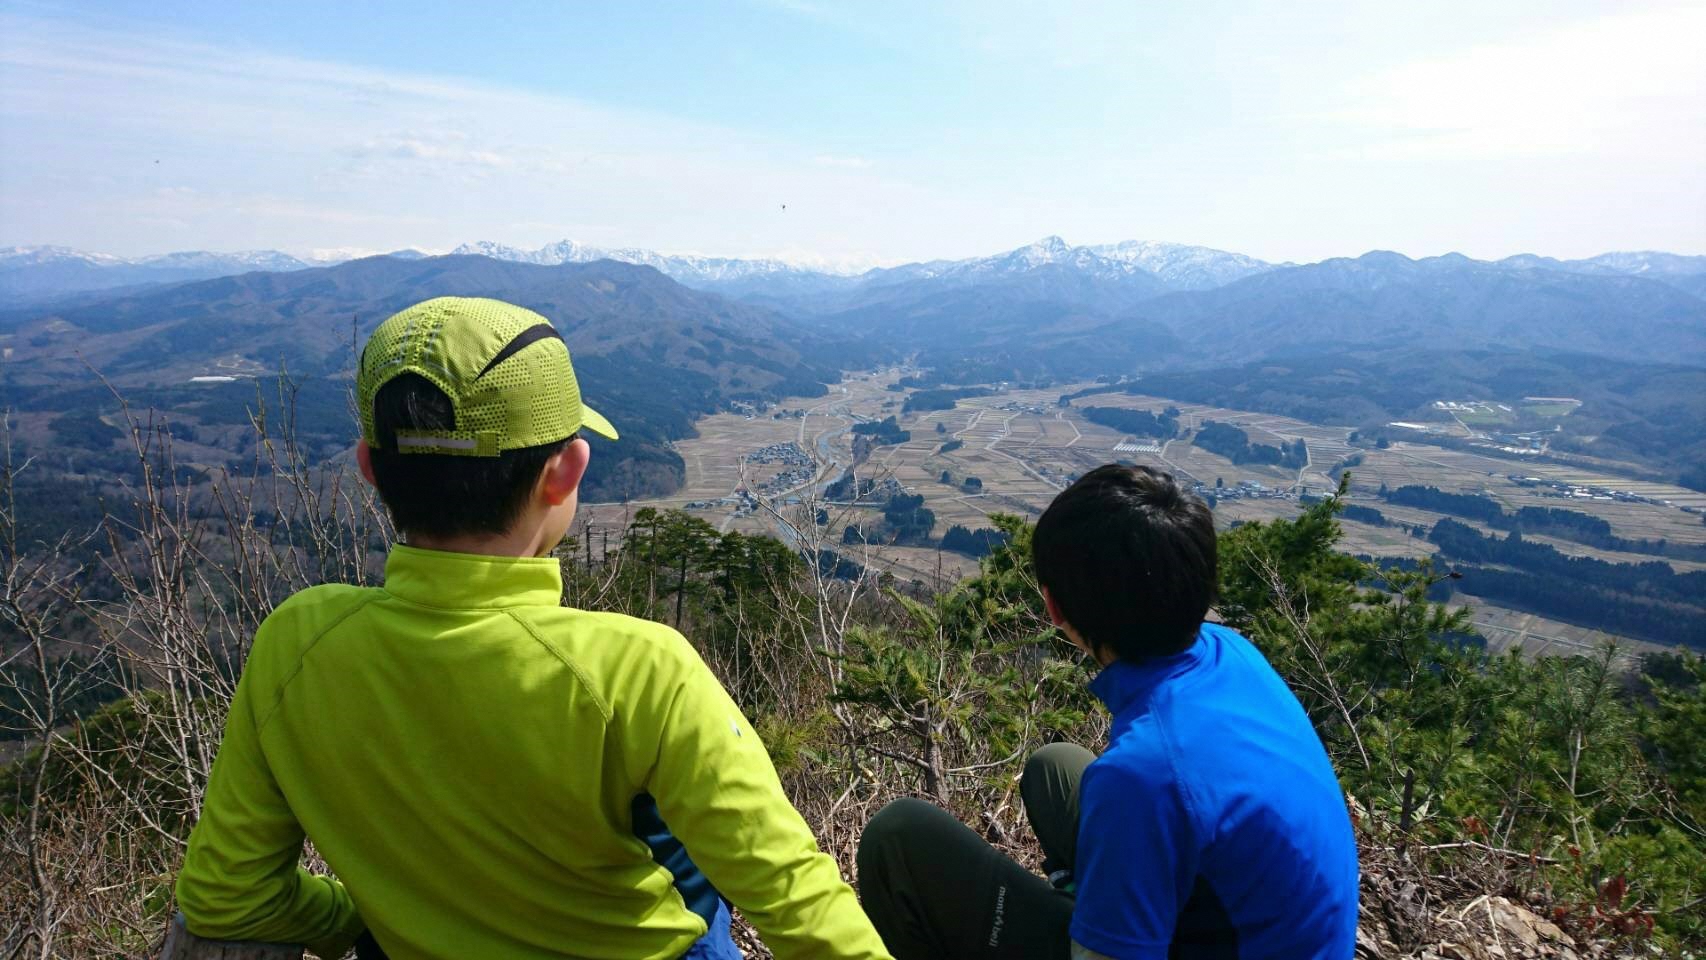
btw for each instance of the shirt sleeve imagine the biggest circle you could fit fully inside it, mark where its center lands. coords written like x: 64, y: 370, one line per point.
x: 1136, y: 862
x: 242, y: 878
x: 719, y: 794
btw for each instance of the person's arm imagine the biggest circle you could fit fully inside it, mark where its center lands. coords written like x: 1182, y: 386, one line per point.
x: 242, y: 878
x: 1135, y: 865
x: 719, y: 793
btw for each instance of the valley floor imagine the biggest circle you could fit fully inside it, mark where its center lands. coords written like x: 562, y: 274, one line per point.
x: 1024, y: 447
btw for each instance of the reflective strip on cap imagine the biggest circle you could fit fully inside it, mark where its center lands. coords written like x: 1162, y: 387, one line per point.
x: 428, y: 440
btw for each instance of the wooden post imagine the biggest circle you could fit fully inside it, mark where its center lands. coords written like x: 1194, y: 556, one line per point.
x: 184, y: 945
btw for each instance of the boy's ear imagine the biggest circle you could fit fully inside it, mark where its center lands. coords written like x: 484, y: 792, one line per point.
x: 1101, y: 655
x: 364, y: 460
x: 1054, y: 615
x: 563, y: 472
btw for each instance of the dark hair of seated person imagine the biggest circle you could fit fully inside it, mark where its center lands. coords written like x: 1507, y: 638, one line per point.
x: 441, y: 494
x: 1129, y: 557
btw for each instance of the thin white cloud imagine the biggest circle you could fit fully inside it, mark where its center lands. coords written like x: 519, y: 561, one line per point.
x: 283, y: 151
x: 849, y: 163
x: 1630, y: 82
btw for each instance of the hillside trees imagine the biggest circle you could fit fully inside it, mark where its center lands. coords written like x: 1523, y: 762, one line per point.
x: 1463, y: 750
x: 972, y: 543
x: 1673, y: 724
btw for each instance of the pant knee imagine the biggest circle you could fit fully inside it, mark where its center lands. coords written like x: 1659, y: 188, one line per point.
x: 897, y: 828
x: 1056, y: 761
x: 895, y: 821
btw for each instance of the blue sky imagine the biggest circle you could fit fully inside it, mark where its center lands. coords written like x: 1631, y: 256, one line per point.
x: 891, y: 131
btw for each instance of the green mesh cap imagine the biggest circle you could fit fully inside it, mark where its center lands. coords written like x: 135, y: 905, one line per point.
x: 505, y: 369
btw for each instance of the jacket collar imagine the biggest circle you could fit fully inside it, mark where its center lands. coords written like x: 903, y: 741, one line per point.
x: 439, y: 578
x: 1125, y: 683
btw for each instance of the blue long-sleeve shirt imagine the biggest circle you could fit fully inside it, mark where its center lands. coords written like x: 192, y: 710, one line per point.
x: 1214, y: 824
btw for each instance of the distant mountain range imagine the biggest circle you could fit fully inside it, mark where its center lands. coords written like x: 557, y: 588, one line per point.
x: 1042, y: 310
x: 36, y: 274
x: 663, y: 351
x: 42, y: 273
x: 1052, y: 309
x: 775, y: 282
x: 1387, y: 299
x: 718, y: 274
x: 31, y: 273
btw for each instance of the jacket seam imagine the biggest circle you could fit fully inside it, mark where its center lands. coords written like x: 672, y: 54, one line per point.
x: 302, y: 656
x: 567, y: 661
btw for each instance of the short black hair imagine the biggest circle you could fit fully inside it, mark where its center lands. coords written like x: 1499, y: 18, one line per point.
x: 442, y: 494
x: 1129, y: 557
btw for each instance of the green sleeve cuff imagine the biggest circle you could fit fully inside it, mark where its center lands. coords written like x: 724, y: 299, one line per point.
x: 347, y: 921
x: 340, y: 941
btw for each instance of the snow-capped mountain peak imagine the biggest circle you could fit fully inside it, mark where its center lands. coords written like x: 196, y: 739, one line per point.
x: 1185, y: 267
x: 1047, y: 250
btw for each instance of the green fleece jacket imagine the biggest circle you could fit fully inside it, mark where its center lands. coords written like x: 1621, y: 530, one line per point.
x: 465, y: 752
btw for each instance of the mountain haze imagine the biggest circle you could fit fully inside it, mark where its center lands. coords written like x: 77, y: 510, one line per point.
x: 1388, y: 299
x: 33, y: 273
x: 41, y: 273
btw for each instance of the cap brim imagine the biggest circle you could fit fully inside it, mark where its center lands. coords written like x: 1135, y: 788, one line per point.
x: 593, y: 420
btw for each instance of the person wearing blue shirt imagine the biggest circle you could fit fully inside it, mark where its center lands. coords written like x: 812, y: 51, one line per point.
x: 1211, y: 826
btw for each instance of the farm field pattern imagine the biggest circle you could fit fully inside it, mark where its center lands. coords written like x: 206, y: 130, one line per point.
x: 1024, y: 448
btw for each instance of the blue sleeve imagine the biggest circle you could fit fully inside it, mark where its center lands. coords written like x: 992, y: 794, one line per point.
x: 1136, y: 861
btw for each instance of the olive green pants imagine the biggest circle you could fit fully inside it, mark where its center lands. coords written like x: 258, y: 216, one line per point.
x: 934, y: 889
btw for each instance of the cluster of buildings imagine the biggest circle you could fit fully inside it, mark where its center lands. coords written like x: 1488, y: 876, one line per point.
x: 742, y: 500
x: 1518, y: 442
x: 788, y: 453
x: 799, y: 467
x: 1469, y: 406
x: 1242, y: 490
x: 1576, y: 491
x: 788, y: 480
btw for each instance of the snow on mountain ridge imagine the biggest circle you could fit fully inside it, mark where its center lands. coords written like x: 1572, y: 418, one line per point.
x: 1185, y: 267
x: 25, y: 256
x: 45, y: 270
x: 687, y: 268
x: 1649, y: 262
x: 269, y: 260
x: 255, y: 259
x: 1049, y: 251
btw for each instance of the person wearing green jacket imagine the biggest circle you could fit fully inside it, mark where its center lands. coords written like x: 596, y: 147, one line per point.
x: 488, y: 772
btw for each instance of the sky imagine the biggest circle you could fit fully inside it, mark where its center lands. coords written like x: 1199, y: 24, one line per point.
x: 855, y: 134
